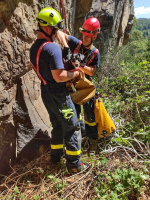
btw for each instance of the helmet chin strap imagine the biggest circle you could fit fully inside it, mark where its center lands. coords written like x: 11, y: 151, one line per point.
x: 88, y: 44
x: 49, y: 36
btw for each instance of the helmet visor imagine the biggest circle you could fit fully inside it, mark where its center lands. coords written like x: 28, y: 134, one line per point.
x: 60, y: 25
x: 91, y: 32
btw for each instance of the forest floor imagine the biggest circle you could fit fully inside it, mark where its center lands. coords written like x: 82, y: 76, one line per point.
x: 40, y: 179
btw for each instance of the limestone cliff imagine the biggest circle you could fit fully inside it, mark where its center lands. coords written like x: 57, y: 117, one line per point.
x: 24, y: 121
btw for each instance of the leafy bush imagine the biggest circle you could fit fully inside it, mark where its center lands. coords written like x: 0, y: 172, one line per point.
x: 124, y: 77
x: 119, y: 185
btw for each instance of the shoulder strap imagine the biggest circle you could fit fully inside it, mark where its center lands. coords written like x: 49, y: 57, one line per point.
x: 37, y: 63
x: 77, y: 47
x: 93, y: 56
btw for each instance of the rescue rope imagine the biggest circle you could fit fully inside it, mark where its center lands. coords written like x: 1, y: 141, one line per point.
x: 63, y: 10
x: 142, y: 151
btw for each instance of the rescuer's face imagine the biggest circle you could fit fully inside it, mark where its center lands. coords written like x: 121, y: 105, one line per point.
x: 86, y: 40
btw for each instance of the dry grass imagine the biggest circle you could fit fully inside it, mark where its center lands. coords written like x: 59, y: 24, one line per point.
x: 41, y: 179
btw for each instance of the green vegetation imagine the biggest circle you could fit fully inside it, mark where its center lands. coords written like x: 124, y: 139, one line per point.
x: 125, y: 76
x: 121, y: 183
x: 124, y: 83
x: 143, y: 25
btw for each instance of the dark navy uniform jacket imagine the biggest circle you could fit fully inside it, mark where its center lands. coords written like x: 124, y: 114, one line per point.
x: 50, y: 59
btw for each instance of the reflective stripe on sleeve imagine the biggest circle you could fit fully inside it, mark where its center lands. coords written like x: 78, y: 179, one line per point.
x: 57, y: 146
x: 73, y: 153
x: 90, y: 124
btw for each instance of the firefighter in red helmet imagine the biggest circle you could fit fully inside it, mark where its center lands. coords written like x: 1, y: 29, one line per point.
x: 89, y: 30
x: 91, y: 27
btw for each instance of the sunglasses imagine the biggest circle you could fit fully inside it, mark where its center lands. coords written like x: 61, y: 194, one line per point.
x: 60, y: 25
x: 92, y: 32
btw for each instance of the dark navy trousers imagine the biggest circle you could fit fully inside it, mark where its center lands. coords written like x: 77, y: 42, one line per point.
x: 56, y: 99
x: 88, y: 126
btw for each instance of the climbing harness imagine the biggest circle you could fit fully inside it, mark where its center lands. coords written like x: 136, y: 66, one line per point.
x: 36, y: 69
x: 88, y: 61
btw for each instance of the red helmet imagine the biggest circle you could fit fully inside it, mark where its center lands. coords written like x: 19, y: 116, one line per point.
x: 91, y: 27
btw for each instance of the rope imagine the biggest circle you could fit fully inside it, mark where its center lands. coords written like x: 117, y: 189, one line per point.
x: 63, y: 9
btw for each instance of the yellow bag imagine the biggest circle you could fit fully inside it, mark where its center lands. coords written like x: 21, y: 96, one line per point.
x: 105, y: 123
x: 85, y: 90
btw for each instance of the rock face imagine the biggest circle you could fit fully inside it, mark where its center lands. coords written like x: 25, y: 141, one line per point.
x: 25, y: 128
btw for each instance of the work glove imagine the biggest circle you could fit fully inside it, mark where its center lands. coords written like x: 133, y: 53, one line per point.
x: 67, y: 113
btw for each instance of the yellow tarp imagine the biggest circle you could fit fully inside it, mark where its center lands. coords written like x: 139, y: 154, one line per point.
x: 103, y: 119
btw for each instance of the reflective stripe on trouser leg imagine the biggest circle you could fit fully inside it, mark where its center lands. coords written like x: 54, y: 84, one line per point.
x: 73, y: 148
x: 56, y: 146
x: 91, y: 128
x: 57, y: 139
